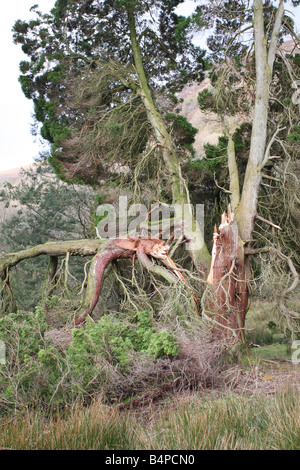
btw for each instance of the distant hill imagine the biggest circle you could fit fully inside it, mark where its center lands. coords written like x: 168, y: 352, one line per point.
x: 208, y: 124
x: 12, y: 175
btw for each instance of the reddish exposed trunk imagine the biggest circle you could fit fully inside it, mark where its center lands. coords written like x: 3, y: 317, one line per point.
x: 99, y: 264
x: 104, y: 252
x: 116, y: 249
x: 226, y: 297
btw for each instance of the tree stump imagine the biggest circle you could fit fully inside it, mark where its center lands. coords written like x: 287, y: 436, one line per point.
x: 226, y: 296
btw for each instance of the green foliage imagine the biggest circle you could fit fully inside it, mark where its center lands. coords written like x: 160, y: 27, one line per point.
x: 36, y: 371
x: 214, y: 165
x: 23, y: 334
x: 161, y: 344
x: 185, y: 131
x: 41, y: 208
x: 181, y: 28
x: 296, y: 59
x: 24, y: 66
x: 86, y: 138
x: 173, y: 98
x: 213, y: 152
x: 148, y: 340
x: 105, y: 339
x: 26, y: 85
x: 215, y: 161
x: 294, y: 137
x: 49, y: 210
x: 59, y: 9
x: 54, y: 132
x: 113, y: 341
x: 206, y: 100
x: 20, y: 378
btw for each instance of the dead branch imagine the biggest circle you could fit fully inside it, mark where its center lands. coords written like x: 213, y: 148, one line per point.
x: 267, y: 222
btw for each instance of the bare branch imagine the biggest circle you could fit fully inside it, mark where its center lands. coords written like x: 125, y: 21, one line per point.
x: 267, y: 222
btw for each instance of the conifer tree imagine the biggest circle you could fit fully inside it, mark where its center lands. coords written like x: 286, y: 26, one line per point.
x: 102, y: 76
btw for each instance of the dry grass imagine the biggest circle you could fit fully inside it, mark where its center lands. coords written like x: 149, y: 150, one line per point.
x: 97, y: 427
x: 189, y: 422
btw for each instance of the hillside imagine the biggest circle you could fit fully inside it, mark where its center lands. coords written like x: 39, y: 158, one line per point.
x: 208, y: 125
x: 11, y: 175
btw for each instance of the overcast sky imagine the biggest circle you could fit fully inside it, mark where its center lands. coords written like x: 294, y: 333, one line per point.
x: 18, y: 147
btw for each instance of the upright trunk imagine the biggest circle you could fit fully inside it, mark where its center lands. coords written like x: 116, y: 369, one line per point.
x: 227, y: 297
x: 180, y: 196
x: 264, y: 61
x: 233, y: 173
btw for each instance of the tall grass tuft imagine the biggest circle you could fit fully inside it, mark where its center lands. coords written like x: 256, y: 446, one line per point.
x: 233, y: 423
x: 95, y: 428
x: 188, y: 423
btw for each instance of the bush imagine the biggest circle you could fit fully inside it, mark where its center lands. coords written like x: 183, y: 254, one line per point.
x: 99, y: 358
x: 20, y: 379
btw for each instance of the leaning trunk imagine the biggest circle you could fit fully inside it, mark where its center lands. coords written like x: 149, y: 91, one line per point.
x: 180, y: 194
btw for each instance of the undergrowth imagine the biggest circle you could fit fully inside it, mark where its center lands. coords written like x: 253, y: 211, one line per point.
x: 99, y: 357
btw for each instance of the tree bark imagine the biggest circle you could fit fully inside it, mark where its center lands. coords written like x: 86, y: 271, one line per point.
x: 264, y: 62
x: 50, y: 277
x: 122, y: 248
x: 104, y: 252
x: 74, y: 247
x: 180, y: 195
x: 7, y: 299
x: 226, y: 297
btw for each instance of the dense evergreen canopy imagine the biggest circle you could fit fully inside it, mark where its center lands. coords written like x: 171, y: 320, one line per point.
x: 83, y: 78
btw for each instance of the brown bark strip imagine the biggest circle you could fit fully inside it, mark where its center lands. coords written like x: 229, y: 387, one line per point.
x: 226, y: 297
x: 97, y: 269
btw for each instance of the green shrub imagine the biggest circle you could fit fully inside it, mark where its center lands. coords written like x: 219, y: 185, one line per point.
x: 38, y: 372
x: 20, y: 377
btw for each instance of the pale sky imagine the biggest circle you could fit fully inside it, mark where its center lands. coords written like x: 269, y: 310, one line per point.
x: 18, y: 147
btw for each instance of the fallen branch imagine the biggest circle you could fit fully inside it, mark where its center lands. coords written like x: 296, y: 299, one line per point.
x: 74, y: 247
x: 153, y: 395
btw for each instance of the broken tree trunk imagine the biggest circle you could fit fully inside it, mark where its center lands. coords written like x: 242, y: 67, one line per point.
x: 101, y: 260
x: 104, y: 252
x: 122, y: 248
x: 226, y: 297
